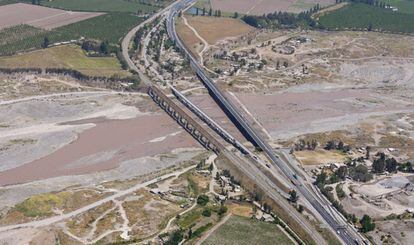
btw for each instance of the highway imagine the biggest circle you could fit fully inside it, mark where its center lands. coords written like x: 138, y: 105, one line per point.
x: 336, y: 223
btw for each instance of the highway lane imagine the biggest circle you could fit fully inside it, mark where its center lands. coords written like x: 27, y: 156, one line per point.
x: 347, y: 235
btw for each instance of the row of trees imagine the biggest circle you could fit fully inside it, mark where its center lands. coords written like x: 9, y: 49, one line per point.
x: 283, y: 19
x: 370, y: 2
x: 217, y: 13
x: 383, y: 163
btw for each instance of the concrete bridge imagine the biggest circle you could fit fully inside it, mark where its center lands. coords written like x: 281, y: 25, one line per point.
x: 185, y: 120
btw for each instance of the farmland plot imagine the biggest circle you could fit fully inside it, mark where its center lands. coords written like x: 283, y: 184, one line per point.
x: 255, y: 7
x: 102, y: 5
x: 38, y: 16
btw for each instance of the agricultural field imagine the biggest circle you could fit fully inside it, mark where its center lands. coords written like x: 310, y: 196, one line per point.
x: 134, y: 6
x: 111, y: 27
x: 363, y: 16
x: 5, y: 2
x: 319, y: 157
x: 38, y: 16
x: 266, y: 6
x: 404, y: 6
x: 68, y: 56
x: 242, y: 230
x: 214, y: 29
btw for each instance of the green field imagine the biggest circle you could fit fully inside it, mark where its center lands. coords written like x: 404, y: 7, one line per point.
x: 102, y: 5
x: 67, y: 56
x: 245, y: 231
x: 361, y: 16
x: 112, y: 27
x: 404, y: 6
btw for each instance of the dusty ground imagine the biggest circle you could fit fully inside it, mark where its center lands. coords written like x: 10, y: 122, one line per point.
x: 214, y: 29
x: 394, y: 232
x: 319, y: 157
x: 266, y: 6
x: 38, y: 16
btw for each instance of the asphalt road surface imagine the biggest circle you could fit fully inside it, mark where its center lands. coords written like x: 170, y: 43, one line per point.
x: 347, y: 234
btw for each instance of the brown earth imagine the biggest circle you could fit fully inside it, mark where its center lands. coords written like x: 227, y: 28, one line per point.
x: 319, y: 157
x: 259, y: 7
x: 214, y: 29
x: 38, y: 16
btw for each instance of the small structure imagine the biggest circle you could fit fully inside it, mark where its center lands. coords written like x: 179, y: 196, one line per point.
x: 156, y: 191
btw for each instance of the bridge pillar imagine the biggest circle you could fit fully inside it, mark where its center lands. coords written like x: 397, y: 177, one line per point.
x: 170, y: 110
x: 176, y: 115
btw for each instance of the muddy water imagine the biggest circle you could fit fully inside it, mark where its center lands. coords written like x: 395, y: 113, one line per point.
x: 104, y: 147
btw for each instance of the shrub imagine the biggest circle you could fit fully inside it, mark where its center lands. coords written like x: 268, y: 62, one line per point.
x: 202, y: 200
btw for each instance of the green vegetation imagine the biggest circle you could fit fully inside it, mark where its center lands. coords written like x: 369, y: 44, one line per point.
x: 200, y: 230
x: 175, y: 238
x: 404, y: 6
x: 359, y: 16
x: 202, y: 200
x: 339, y: 191
x: 67, y: 56
x: 134, y: 6
x: 293, y: 196
x: 206, y: 212
x: 367, y: 224
x: 241, y: 230
x: 283, y: 19
x: 19, y: 38
x: 187, y: 220
x: 41, y: 205
x: 111, y: 27
x: 4, y: 2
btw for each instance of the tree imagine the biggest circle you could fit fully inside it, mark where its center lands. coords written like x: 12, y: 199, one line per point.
x: 368, y: 149
x: 293, y: 196
x: 321, y: 179
x: 175, y: 238
x: 222, y: 210
x: 196, y: 11
x: 202, y: 200
x: 406, y: 167
x: 330, y: 145
x: 367, y: 224
x: 236, y: 15
x: 204, y: 11
x: 219, y: 13
x: 360, y: 173
x: 342, y: 172
x: 300, y: 208
x: 210, y: 12
x: 45, y: 42
x: 391, y: 165
x: 104, y: 47
x: 206, y: 212
x: 378, y: 166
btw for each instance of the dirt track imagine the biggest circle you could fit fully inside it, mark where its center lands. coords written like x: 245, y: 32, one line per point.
x: 38, y: 16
